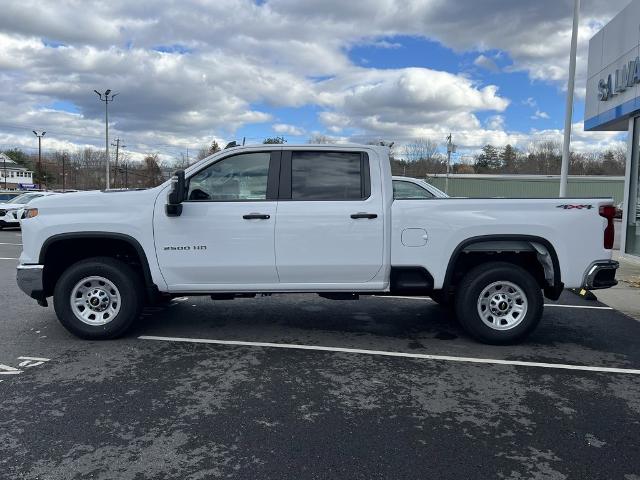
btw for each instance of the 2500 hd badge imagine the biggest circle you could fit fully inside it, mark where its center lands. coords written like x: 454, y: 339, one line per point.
x: 186, y: 247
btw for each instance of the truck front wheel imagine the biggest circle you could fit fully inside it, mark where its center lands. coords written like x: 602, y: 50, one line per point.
x: 499, y: 303
x: 98, y: 298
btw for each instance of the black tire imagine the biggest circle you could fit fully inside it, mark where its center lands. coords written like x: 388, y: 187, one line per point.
x: 470, y: 289
x: 128, y: 284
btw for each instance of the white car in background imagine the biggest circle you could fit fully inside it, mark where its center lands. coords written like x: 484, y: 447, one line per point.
x: 408, y: 188
x: 11, y: 211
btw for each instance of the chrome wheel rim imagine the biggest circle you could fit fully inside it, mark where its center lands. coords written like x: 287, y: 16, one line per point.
x: 95, y: 300
x: 502, y: 305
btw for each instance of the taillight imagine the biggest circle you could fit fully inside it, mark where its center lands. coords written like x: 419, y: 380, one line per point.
x: 608, y: 212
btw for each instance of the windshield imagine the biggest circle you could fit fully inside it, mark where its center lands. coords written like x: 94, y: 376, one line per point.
x: 24, y: 198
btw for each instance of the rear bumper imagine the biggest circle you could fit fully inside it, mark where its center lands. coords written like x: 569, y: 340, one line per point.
x: 29, y: 278
x: 600, y: 274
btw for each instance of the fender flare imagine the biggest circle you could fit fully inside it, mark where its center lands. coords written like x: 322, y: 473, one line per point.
x: 146, y: 271
x: 532, y: 239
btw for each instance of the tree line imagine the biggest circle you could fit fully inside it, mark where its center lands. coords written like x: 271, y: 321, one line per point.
x: 422, y: 157
x: 84, y: 169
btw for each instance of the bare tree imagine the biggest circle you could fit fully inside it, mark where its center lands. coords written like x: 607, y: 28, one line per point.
x: 421, y: 158
x: 420, y: 149
x: 320, y: 139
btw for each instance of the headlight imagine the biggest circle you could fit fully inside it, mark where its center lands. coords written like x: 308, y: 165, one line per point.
x: 30, y: 213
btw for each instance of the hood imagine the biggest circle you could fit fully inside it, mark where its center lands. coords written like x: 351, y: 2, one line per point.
x: 11, y: 206
x: 95, y: 199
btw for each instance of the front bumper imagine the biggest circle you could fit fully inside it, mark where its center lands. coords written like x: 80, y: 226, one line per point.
x: 600, y: 274
x: 30, y: 281
x: 9, y: 222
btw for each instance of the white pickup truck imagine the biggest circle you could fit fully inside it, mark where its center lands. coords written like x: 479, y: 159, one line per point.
x: 309, y: 218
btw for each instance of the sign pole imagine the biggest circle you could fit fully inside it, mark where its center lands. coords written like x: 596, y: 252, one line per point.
x: 566, y: 146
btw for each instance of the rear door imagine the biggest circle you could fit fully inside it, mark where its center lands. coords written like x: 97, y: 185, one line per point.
x: 329, y: 226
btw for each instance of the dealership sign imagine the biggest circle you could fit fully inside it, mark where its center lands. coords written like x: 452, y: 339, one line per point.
x: 620, y: 80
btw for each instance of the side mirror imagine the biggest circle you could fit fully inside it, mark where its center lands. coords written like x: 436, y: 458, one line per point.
x: 177, y: 194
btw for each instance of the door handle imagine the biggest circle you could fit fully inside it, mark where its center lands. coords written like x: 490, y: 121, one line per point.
x: 364, y: 215
x: 256, y: 216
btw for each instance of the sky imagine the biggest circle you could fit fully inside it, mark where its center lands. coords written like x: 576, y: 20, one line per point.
x: 191, y: 71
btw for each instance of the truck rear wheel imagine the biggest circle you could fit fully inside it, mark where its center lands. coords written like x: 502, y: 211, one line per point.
x: 98, y: 298
x: 499, y: 303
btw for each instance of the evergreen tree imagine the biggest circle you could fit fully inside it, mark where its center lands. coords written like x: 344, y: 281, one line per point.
x: 489, y: 160
x: 214, y: 148
x: 509, y: 158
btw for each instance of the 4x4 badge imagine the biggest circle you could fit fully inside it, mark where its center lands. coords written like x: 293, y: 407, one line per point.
x: 569, y: 206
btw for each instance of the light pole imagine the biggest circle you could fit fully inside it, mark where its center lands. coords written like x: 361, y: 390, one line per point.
x: 566, y: 152
x: 106, y: 98
x: 39, y: 135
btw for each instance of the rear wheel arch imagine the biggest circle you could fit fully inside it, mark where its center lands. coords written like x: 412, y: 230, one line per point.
x: 502, y: 246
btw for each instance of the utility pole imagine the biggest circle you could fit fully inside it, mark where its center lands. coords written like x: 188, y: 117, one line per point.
x: 4, y: 164
x: 451, y: 148
x: 115, y: 170
x: 566, y: 151
x: 125, y: 166
x: 39, y: 135
x: 64, y: 155
x: 108, y: 97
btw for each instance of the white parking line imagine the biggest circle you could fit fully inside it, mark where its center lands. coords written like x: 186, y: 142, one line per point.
x: 35, y: 359
x: 445, y: 358
x: 3, y: 243
x: 577, y: 306
x: 8, y: 258
x: 546, y: 304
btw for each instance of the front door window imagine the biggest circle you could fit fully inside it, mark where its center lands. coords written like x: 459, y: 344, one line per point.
x: 238, y: 178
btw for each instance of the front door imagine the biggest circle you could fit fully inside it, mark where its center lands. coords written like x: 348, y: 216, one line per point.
x: 225, y: 234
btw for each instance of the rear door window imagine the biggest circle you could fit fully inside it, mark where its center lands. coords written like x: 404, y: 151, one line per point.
x: 329, y: 176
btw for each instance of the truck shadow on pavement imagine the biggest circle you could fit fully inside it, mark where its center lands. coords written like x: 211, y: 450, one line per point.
x: 602, y: 337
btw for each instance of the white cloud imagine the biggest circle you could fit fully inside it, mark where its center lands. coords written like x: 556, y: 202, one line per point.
x: 486, y: 63
x: 287, y: 129
x: 228, y: 61
x: 540, y: 114
x: 495, y: 122
x: 399, y: 103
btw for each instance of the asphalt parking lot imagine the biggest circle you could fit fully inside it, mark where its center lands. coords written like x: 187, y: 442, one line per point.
x: 392, y: 389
